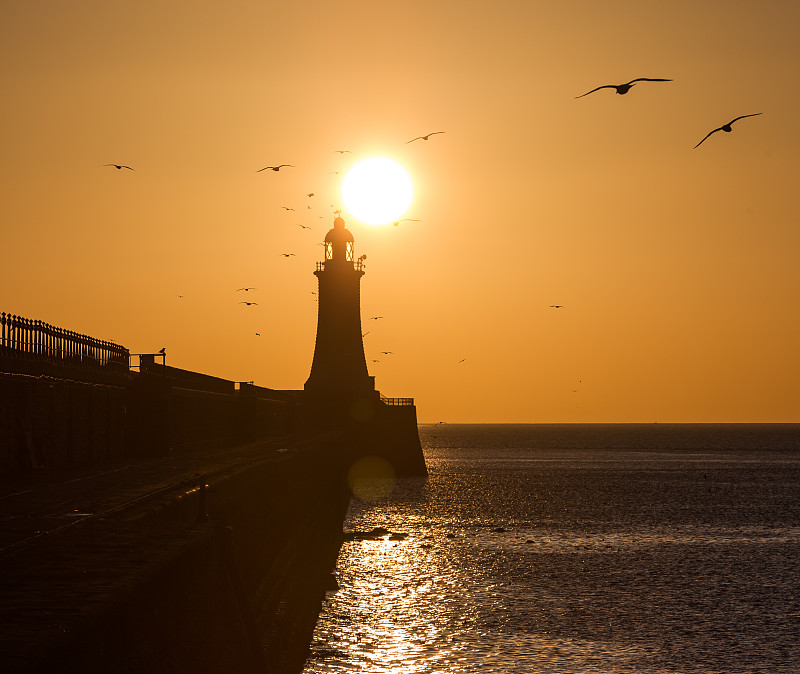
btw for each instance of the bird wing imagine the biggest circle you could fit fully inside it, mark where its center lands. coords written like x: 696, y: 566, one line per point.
x: 605, y: 86
x: 413, y: 139
x: 742, y: 117
x: 707, y: 135
x: 649, y: 79
x: 265, y: 168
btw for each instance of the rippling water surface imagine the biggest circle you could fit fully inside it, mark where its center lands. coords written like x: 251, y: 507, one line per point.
x: 537, y: 548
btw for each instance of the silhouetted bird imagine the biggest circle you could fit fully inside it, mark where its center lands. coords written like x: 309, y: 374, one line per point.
x: 375, y: 318
x: 246, y: 289
x: 163, y: 351
x: 397, y: 222
x: 286, y: 254
x: 248, y: 303
x: 310, y: 194
x: 624, y: 88
x: 342, y: 151
x: 304, y: 226
x: 461, y: 361
x: 557, y: 306
x: 258, y: 334
x: 364, y: 334
x: 120, y: 166
x: 285, y: 208
x: 433, y: 133
x: 725, y: 127
x: 275, y: 168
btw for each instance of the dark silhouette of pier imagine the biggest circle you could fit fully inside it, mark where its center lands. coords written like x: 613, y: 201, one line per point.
x: 154, y: 518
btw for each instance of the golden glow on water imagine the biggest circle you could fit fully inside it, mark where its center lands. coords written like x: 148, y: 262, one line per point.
x: 567, y: 560
x: 403, y: 610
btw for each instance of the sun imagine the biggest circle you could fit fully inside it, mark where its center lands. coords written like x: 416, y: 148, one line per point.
x: 377, y: 191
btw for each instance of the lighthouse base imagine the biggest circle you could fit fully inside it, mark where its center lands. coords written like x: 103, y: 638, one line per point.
x: 368, y: 427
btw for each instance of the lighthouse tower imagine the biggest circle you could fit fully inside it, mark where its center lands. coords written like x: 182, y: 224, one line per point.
x: 339, y: 369
x: 339, y: 392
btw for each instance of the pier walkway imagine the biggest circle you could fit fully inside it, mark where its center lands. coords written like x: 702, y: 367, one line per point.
x: 79, y: 546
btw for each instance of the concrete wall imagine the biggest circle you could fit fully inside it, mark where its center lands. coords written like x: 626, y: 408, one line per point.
x: 53, y: 421
x: 54, y: 415
x: 163, y: 592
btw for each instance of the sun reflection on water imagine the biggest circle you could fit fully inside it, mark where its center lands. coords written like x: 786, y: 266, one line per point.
x: 394, y: 611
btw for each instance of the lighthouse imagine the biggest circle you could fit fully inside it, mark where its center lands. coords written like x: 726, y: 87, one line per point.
x: 339, y: 368
x: 339, y: 392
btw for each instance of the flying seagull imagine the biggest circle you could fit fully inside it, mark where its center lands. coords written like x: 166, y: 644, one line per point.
x: 375, y: 318
x: 625, y: 88
x: 557, y: 306
x: 725, y: 127
x: 275, y: 168
x: 433, y: 133
x: 342, y: 151
x: 397, y: 222
x: 119, y: 166
x: 303, y: 226
x: 246, y: 289
x: 285, y: 208
x: 286, y: 254
x: 247, y: 303
x: 387, y: 352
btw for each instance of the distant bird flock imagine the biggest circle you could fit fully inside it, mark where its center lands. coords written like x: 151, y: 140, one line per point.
x: 620, y: 89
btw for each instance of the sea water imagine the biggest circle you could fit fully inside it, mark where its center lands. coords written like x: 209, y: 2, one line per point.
x: 575, y: 548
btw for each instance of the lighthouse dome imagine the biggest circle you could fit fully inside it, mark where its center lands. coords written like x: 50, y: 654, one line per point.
x: 339, y: 232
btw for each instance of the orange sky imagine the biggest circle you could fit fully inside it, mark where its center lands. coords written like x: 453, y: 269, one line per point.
x: 677, y: 267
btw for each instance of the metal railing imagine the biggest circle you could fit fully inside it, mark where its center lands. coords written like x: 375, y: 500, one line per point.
x: 358, y: 265
x: 396, y: 401
x: 26, y: 338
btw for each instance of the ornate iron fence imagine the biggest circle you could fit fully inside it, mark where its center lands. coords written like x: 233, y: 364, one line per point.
x: 30, y: 339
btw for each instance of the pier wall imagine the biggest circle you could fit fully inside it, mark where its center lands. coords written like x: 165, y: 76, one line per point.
x: 53, y: 415
x: 59, y: 417
x: 227, y: 578
x: 228, y: 582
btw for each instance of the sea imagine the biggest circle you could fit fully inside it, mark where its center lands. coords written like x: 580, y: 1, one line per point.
x: 608, y: 548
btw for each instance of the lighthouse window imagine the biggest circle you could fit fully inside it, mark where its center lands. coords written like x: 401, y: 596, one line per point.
x: 348, y: 253
x: 328, y: 250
